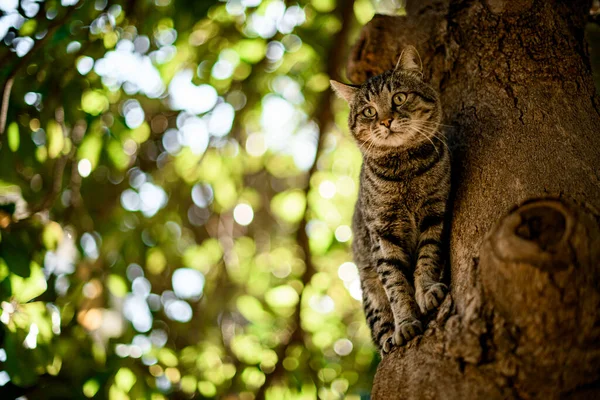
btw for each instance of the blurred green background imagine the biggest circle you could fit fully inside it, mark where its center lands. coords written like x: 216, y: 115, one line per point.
x: 176, y: 193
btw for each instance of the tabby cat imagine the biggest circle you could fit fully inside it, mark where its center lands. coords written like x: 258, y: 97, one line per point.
x: 404, y: 184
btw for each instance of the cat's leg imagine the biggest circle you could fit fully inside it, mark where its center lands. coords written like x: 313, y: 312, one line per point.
x: 375, y: 302
x: 429, y: 291
x: 393, y: 266
x: 377, y: 309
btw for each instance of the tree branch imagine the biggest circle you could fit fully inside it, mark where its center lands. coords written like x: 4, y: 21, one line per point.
x: 23, y: 62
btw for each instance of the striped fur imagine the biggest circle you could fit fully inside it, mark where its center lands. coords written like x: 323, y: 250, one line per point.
x: 399, y: 214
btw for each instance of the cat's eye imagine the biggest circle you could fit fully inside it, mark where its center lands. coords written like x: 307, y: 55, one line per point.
x: 399, y: 99
x: 369, y: 112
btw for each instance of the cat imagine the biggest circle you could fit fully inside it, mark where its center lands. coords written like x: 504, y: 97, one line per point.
x: 398, y: 219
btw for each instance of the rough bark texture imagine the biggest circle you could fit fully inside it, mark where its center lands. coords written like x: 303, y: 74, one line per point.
x: 522, y: 320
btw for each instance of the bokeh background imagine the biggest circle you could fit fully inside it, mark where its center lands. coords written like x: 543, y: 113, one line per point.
x: 176, y: 191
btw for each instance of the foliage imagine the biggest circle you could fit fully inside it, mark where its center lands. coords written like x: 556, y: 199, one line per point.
x: 158, y: 170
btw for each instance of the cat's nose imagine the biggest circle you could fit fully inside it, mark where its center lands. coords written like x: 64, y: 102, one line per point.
x: 386, y: 122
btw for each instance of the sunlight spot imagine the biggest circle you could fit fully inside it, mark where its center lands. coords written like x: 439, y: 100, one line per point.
x: 122, y: 350
x: 293, y: 17
x: 255, y: 144
x: 243, y: 214
x: 85, y: 65
x: 222, y: 69
x: 327, y: 189
x: 135, y: 351
x: 322, y: 304
x: 195, y: 135
x: 343, y: 347
x: 32, y: 98
x: 130, y: 200
x: 165, y: 37
x: 159, y: 337
x: 275, y: 51
x: 62, y: 259
x: 23, y: 45
x: 188, y: 283
x: 178, y: 310
x: 134, y: 271
x: 89, y: 246
x: 133, y: 113
x: 136, y: 310
x: 343, y: 233
x: 137, y: 71
x: 304, y: 146
x: 202, y: 194
x: 355, y: 290
x: 92, y: 289
x: 348, y: 272
x: 221, y: 120
x: 55, y: 318
x: 141, y: 44
x: 84, y: 167
x: 288, y: 88
x: 9, y: 5
x: 73, y: 47
x: 235, y: 8
x: 10, y: 20
x: 141, y: 286
x: 153, y: 198
x: 279, y: 120
x: 184, y: 95
x: 30, y: 341
x: 4, y: 378
x: 172, y: 141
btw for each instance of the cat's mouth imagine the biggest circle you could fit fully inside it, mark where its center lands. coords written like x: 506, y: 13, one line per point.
x: 390, y: 132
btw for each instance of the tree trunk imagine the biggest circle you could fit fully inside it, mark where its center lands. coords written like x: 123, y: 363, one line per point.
x: 522, y: 319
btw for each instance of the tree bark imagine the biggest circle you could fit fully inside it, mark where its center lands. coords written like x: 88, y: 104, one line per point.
x: 522, y: 318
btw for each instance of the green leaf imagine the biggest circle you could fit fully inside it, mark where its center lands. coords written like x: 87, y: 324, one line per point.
x: 56, y: 139
x: 125, y: 379
x: 282, y: 296
x: 52, y: 235
x: 28, y: 27
x: 94, y: 102
x: 16, y: 255
x: 117, y: 154
x: 25, y: 289
x: 90, y: 388
x: 90, y: 149
x: 13, y: 137
x: 289, y: 206
x: 117, y: 285
x: 251, y: 308
x: 251, y: 50
x: 19, y: 364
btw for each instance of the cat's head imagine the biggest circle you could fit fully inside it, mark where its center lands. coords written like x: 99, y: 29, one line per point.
x: 395, y: 110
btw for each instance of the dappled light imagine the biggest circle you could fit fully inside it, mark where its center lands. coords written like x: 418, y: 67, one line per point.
x: 176, y: 193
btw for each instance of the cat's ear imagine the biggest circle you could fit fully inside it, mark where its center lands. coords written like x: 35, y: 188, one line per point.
x: 409, y: 61
x: 346, y: 92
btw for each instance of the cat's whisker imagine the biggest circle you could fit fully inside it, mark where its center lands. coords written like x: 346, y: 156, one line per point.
x: 441, y: 139
x: 371, y: 146
x: 426, y: 132
x: 426, y: 137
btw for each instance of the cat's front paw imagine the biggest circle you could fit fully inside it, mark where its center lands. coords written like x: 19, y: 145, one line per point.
x: 432, y: 298
x: 407, y: 330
